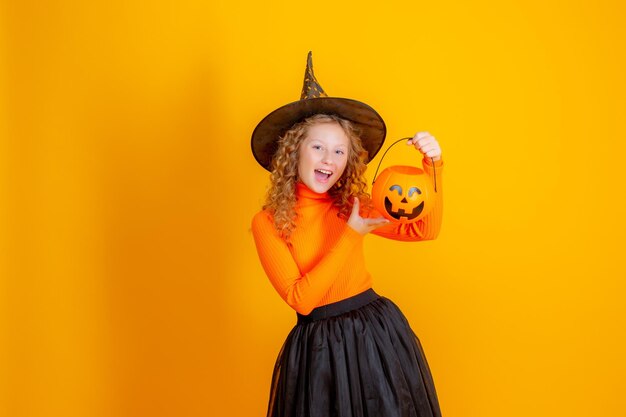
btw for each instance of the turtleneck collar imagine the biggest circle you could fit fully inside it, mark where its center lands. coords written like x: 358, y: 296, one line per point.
x: 305, y: 193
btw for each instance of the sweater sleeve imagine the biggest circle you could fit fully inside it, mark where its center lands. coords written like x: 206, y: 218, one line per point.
x: 301, y: 291
x: 427, y: 228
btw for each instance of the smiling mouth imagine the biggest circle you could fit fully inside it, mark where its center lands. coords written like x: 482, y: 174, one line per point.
x: 323, y: 175
x: 401, y: 213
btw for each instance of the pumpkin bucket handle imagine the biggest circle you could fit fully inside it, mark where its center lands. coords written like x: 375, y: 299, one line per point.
x: 383, y: 157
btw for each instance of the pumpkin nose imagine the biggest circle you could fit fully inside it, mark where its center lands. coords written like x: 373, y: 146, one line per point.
x: 403, y: 200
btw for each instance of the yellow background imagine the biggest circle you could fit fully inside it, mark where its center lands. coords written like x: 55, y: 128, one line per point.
x: 130, y: 283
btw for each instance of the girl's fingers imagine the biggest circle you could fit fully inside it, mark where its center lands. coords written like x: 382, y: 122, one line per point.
x: 363, y: 225
x: 376, y: 221
x: 429, y: 146
x: 430, y: 149
x: 426, y: 141
x: 417, y: 137
x: 355, y: 207
x: 426, y: 144
x: 433, y: 154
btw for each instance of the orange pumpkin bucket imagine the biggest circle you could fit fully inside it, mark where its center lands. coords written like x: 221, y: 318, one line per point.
x: 403, y: 194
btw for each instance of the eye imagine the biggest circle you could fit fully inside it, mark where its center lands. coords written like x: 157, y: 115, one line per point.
x: 396, y: 188
x: 317, y: 146
x: 414, y: 190
x: 340, y: 151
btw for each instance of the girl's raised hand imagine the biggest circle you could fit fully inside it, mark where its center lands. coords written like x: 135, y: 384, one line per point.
x: 426, y: 144
x: 364, y: 225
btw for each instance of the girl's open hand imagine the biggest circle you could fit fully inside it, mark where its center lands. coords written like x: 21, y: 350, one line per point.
x: 364, y: 225
x: 426, y: 144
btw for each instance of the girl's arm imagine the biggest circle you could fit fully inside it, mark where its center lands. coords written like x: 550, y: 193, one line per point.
x: 301, y: 291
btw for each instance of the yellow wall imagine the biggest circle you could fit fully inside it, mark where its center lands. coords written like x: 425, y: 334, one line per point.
x: 130, y: 283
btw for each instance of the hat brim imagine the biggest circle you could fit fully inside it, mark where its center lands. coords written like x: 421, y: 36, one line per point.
x: 266, y: 134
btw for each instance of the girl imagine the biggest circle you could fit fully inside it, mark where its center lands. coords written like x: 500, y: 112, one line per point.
x: 352, y: 352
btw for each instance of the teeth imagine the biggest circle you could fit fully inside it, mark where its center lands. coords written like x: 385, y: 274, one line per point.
x: 323, y: 171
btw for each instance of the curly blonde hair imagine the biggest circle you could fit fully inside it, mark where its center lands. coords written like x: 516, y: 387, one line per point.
x: 281, y: 196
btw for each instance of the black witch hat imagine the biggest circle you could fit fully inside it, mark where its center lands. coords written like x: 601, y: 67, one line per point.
x: 314, y: 100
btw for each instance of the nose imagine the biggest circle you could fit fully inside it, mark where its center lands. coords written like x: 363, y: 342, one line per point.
x: 327, y: 158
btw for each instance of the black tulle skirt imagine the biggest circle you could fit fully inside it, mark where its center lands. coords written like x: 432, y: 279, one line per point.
x: 354, y: 358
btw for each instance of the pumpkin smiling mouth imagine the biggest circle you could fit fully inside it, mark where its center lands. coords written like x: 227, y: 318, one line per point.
x: 401, y: 213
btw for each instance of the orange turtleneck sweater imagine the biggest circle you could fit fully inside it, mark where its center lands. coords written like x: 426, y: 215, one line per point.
x: 323, y: 262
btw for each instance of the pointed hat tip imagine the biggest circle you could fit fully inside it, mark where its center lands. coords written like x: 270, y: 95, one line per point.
x: 311, y: 87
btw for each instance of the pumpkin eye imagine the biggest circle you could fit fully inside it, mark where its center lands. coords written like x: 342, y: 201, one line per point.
x: 413, y: 190
x: 397, y: 188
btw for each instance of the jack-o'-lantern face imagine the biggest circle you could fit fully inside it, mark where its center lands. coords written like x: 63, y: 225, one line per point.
x: 402, y: 193
x: 410, y: 206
